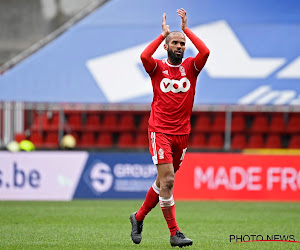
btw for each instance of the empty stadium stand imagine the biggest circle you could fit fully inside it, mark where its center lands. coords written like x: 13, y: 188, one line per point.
x: 128, y: 129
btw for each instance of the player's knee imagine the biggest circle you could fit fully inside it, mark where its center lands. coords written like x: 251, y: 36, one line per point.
x: 169, y: 182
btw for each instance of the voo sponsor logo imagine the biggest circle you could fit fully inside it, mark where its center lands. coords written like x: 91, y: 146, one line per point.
x: 183, y: 85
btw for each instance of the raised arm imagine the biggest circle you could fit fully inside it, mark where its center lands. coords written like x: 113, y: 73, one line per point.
x: 146, y: 56
x: 203, y: 51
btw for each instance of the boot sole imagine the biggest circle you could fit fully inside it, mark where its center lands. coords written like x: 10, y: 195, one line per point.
x: 182, y: 245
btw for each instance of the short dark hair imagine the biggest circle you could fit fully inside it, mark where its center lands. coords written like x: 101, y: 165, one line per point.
x: 168, y: 38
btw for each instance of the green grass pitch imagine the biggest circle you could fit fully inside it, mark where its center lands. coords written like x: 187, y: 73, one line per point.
x: 104, y: 224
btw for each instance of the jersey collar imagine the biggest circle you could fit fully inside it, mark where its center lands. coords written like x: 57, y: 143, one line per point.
x: 171, y: 65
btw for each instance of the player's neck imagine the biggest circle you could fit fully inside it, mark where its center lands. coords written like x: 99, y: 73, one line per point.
x: 174, y: 62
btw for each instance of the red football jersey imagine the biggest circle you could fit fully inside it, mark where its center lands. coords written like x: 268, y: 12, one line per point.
x: 173, y: 96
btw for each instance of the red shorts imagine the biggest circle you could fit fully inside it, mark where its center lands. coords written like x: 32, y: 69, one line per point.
x: 166, y: 148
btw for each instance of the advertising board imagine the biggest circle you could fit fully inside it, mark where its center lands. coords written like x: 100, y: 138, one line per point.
x: 202, y: 176
x: 221, y: 176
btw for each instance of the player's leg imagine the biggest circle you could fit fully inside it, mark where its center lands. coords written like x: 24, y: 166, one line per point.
x: 138, y: 217
x: 179, y: 149
x: 161, y: 151
x: 151, y: 200
x: 166, y: 200
x: 162, y: 156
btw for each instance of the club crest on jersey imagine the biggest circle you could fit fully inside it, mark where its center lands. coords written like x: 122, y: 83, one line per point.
x: 183, y: 85
x: 182, y: 71
x: 161, y: 154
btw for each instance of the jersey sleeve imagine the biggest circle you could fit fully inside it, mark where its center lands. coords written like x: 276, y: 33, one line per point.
x: 203, y: 51
x: 148, y: 61
x: 192, y: 66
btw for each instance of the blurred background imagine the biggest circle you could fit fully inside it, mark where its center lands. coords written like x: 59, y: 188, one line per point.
x: 71, y: 79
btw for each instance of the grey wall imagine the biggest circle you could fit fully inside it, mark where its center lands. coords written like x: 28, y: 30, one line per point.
x: 25, y: 22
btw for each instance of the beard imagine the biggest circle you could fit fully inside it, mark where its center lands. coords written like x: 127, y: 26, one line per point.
x: 175, y: 58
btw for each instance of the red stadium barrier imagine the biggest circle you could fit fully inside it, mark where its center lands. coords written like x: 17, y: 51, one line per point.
x: 238, y: 177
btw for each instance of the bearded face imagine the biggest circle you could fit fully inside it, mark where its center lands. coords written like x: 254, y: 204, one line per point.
x: 175, y: 56
x: 175, y: 46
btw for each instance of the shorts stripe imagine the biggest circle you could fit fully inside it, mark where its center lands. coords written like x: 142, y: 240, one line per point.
x: 183, y: 153
x: 154, y: 157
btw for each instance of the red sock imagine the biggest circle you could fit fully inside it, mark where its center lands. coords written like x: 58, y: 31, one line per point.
x: 150, y: 202
x: 168, y: 209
